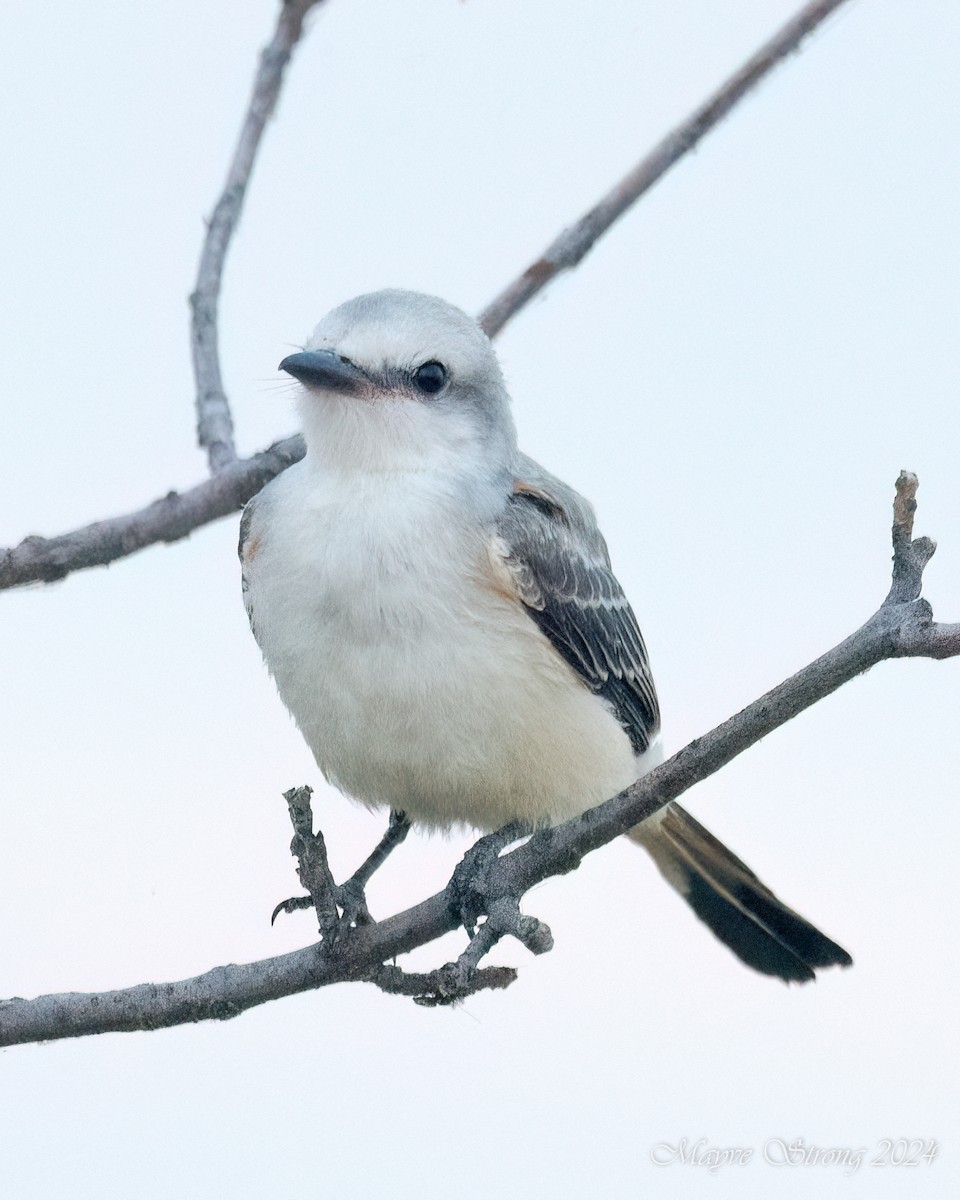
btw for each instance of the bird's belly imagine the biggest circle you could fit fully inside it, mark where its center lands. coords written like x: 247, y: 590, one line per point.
x: 441, y: 699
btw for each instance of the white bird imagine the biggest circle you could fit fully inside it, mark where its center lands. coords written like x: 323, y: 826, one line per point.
x: 441, y: 618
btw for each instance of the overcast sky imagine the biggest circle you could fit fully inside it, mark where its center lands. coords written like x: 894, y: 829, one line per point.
x: 734, y: 377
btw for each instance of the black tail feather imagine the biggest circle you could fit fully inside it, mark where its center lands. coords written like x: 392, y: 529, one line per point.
x: 729, y: 898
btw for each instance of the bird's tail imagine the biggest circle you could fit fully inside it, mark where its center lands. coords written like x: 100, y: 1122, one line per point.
x: 726, y: 895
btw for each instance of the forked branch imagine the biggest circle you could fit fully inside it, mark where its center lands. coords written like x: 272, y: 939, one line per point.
x: 174, y: 516
x: 903, y: 626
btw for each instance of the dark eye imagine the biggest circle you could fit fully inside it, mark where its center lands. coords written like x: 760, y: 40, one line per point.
x: 430, y: 378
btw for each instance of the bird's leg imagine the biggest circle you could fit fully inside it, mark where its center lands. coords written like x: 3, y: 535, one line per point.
x: 351, y: 896
x: 467, y: 888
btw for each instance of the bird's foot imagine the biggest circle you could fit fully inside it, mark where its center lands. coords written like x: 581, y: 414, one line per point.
x: 351, y: 901
x: 467, y: 890
x: 350, y: 897
x: 462, y: 978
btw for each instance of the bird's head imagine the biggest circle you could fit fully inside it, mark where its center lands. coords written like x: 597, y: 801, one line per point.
x: 398, y: 381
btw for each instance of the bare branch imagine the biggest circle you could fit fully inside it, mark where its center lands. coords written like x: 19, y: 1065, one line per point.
x: 899, y: 628
x: 431, y: 990
x: 214, y: 423
x: 312, y: 866
x: 46, y: 559
x: 168, y: 519
x: 909, y: 556
x: 567, y: 250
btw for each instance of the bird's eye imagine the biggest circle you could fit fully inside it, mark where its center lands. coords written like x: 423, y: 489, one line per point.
x: 430, y: 378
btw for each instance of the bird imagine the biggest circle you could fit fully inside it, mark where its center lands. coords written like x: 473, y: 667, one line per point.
x: 440, y: 615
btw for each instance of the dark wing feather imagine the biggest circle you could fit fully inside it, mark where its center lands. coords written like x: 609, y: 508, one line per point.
x: 561, y: 571
x: 561, y: 567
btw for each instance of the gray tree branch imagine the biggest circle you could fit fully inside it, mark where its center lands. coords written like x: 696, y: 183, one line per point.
x: 902, y: 627
x: 567, y: 250
x: 168, y: 519
x: 214, y: 422
x: 46, y: 559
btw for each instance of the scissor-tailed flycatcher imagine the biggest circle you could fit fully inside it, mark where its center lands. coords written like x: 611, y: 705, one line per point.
x: 441, y: 618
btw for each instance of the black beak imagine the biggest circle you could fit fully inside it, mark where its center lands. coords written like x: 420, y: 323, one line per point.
x: 326, y: 369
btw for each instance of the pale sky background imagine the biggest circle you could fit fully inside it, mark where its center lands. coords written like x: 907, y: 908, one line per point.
x: 734, y: 377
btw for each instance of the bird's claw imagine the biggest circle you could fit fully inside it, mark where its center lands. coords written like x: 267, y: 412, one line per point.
x: 351, y: 901
x: 293, y: 904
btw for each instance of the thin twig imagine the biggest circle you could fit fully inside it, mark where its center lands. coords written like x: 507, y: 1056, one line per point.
x: 909, y: 556
x: 430, y: 989
x: 569, y: 248
x: 173, y: 516
x: 214, y: 423
x: 457, y: 980
x: 898, y: 629
x: 310, y: 851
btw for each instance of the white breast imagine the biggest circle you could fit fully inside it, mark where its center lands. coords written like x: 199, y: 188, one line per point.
x: 417, y: 683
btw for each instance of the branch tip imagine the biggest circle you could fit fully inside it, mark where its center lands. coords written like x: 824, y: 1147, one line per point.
x: 436, y: 989
x: 568, y: 249
x: 909, y: 557
x: 905, y: 504
x: 313, y: 869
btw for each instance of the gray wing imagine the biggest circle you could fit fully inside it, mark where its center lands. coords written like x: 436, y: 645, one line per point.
x: 561, y: 567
